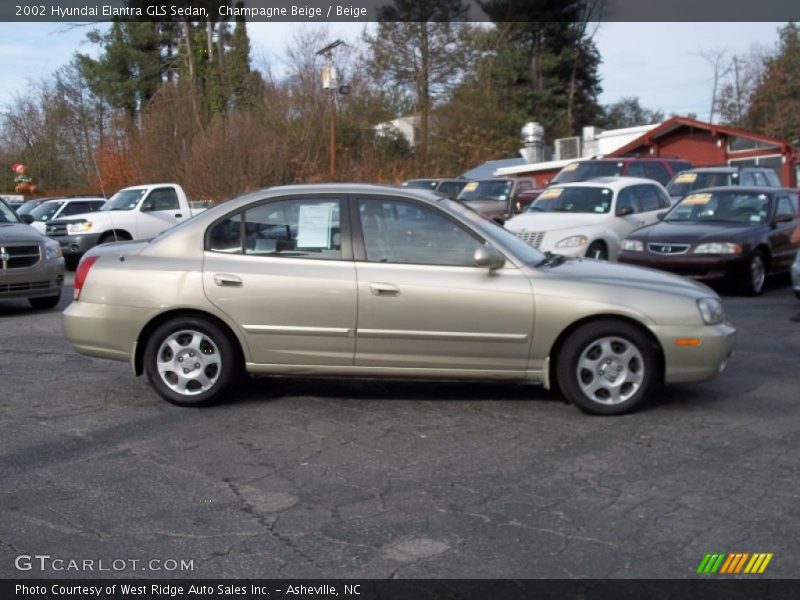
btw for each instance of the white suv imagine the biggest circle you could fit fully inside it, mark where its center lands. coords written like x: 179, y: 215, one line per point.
x: 590, y: 218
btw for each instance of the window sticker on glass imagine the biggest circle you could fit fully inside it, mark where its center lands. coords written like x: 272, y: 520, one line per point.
x: 686, y: 178
x: 696, y: 199
x: 551, y: 194
x: 471, y: 186
x: 570, y: 167
x: 755, y: 218
x: 314, y: 226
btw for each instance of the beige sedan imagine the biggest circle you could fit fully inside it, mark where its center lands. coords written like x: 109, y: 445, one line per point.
x: 372, y: 281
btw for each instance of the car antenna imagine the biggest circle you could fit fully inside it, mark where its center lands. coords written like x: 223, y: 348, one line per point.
x: 110, y: 217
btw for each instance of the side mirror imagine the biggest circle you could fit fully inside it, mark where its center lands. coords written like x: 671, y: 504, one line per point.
x: 488, y: 257
x: 661, y: 215
x: 27, y: 219
x: 624, y: 211
x: 783, y: 218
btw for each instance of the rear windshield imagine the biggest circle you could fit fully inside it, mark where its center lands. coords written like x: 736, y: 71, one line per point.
x: 577, y: 199
x: 683, y: 183
x: 582, y: 171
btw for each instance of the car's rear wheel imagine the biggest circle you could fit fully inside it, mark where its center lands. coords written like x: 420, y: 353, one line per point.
x: 756, y: 274
x: 190, y: 361
x: 607, y: 367
x: 46, y: 302
x: 597, y: 251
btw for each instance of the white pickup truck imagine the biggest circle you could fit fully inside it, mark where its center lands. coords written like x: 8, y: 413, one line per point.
x: 140, y: 212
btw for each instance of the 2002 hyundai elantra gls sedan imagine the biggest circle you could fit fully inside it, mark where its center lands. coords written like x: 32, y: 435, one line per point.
x: 373, y: 281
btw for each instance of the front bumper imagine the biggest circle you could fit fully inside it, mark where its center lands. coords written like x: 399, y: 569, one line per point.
x: 696, y: 266
x: 40, y: 281
x: 77, y: 245
x: 685, y: 364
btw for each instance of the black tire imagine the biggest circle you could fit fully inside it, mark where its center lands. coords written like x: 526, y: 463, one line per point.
x: 218, y: 362
x: 634, y: 375
x: 597, y: 251
x: 46, y: 302
x: 755, y: 274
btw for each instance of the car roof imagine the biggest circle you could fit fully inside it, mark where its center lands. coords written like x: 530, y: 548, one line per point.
x: 615, y: 183
x: 339, y: 188
x: 635, y: 159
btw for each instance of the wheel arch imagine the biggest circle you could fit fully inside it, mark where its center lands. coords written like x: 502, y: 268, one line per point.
x: 555, y: 349
x: 117, y: 232
x: 161, y: 318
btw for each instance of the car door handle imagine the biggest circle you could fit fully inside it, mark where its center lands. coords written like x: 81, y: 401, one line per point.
x: 224, y: 280
x: 178, y: 216
x: 384, y: 289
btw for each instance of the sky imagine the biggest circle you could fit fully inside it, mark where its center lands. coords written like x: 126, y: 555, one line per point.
x: 658, y: 62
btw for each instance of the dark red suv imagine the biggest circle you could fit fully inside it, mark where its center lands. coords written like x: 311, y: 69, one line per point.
x: 659, y: 169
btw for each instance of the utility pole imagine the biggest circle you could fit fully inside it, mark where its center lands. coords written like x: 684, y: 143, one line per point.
x: 330, y: 81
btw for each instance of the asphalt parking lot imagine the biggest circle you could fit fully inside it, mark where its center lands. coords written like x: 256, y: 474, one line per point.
x: 308, y: 478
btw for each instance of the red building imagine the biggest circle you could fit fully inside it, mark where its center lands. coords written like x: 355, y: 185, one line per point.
x: 706, y: 145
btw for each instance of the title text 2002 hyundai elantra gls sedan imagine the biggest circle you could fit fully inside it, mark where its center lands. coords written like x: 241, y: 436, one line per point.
x: 372, y: 281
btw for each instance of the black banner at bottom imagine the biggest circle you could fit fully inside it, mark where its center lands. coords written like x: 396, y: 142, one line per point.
x: 416, y: 589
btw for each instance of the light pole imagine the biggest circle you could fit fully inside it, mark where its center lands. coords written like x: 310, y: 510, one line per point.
x: 330, y: 81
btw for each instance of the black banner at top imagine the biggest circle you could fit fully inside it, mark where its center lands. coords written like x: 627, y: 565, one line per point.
x: 373, y: 10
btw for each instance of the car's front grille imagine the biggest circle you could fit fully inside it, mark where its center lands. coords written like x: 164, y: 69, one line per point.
x: 25, y: 287
x: 668, y: 248
x: 532, y: 238
x: 56, y: 229
x: 18, y: 257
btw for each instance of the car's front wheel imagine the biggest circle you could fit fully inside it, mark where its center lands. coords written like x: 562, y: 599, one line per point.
x: 607, y: 367
x: 190, y: 361
x: 756, y: 275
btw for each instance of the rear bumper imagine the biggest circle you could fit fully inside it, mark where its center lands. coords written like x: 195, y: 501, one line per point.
x: 103, y: 330
x: 695, y: 363
x: 44, y: 280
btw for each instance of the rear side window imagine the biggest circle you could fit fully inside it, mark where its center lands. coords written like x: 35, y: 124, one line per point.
x: 759, y: 178
x: 297, y: 228
x: 657, y: 171
x: 772, y: 178
x: 635, y: 170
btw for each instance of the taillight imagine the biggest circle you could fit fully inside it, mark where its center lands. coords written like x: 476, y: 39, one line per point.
x: 80, y: 275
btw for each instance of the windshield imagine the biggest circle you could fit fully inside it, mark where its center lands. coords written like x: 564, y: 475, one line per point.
x: 727, y: 207
x: 683, y: 183
x: 6, y: 214
x: 579, y: 199
x: 583, y: 171
x: 486, y: 190
x: 125, y: 200
x: 494, y: 232
x: 45, y: 212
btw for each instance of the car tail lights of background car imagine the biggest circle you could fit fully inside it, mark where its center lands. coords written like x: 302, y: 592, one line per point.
x: 80, y: 275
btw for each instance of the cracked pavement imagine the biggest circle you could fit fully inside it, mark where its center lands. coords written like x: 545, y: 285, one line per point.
x: 310, y: 478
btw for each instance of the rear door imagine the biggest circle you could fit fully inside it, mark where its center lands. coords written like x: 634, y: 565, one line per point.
x: 282, y: 270
x: 783, y: 251
x: 422, y: 304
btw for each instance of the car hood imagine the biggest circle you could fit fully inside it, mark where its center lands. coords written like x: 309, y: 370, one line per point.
x: 541, y: 221
x: 690, y: 233
x: 19, y: 232
x: 620, y: 277
x: 83, y: 217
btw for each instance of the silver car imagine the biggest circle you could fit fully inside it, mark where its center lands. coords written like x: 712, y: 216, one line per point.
x: 373, y: 281
x: 31, y: 265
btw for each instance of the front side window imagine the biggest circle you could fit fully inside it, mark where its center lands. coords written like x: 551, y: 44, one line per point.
x: 648, y: 198
x: 657, y: 171
x: 396, y: 231
x: 162, y: 199
x: 626, y: 199
x: 298, y: 228
x: 785, y: 207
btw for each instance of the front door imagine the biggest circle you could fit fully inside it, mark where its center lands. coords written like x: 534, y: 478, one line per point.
x: 159, y: 211
x: 278, y: 270
x: 422, y: 304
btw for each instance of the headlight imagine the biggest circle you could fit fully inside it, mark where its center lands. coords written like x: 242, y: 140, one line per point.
x: 79, y: 227
x: 51, y: 250
x: 718, y: 248
x: 711, y: 311
x: 572, y: 242
x: 632, y: 245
